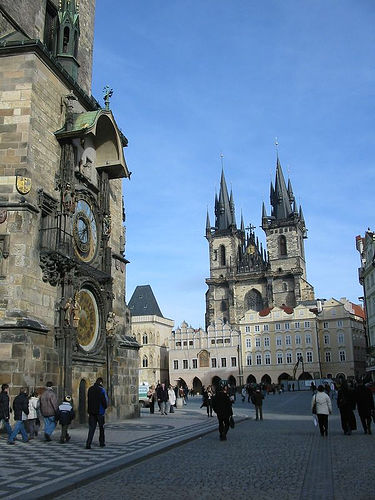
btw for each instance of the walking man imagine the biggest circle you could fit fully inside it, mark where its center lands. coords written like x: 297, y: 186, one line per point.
x: 21, y: 410
x: 97, y: 403
x: 48, y: 409
x: 222, y: 406
x: 4, y: 408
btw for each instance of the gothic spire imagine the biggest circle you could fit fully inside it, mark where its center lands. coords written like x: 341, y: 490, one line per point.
x: 224, y: 207
x: 281, y: 201
x: 69, y: 31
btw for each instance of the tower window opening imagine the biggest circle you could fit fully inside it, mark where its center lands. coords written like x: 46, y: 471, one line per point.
x: 222, y: 255
x: 282, y: 245
x: 66, y: 40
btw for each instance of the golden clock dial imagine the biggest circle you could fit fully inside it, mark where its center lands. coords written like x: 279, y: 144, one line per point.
x: 88, y: 326
x: 85, y: 235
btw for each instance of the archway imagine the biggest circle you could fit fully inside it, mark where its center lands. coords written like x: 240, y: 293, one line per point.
x: 82, y: 402
x: 284, y: 376
x: 232, y: 381
x: 305, y: 376
x: 197, y: 386
x: 340, y: 376
x: 251, y: 379
x: 181, y: 382
x: 216, y: 382
x: 266, y: 379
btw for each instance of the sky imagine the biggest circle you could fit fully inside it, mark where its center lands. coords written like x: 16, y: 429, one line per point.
x: 194, y: 79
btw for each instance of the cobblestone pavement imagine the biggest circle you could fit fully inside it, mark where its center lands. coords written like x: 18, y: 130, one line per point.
x: 281, y: 457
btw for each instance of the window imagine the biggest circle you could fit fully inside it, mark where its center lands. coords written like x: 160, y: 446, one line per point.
x: 298, y: 355
x: 339, y: 323
x: 266, y: 341
x: 248, y: 342
x: 247, y: 329
x: 178, y: 344
x: 212, y: 341
x: 325, y: 324
x: 340, y: 338
x: 175, y: 364
x: 279, y: 357
x: 213, y: 362
x: 282, y: 245
x: 289, y: 357
x: 145, y: 339
x: 279, y: 341
x: 256, y: 328
x: 298, y: 339
x: 342, y: 355
x: 223, y: 362
x: 265, y: 328
x: 259, y: 359
x: 144, y: 362
x: 309, y: 356
x: 308, y: 339
x: 222, y: 255
x: 288, y: 340
x: 191, y: 342
x: 286, y: 326
x: 257, y: 342
x: 267, y: 358
x: 328, y: 356
x: 326, y: 339
x: 233, y: 361
x: 307, y: 324
x: 185, y: 343
x: 277, y: 326
x: 227, y: 341
x: 195, y: 363
x: 219, y: 341
x: 297, y: 325
x: 248, y: 360
x: 185, y: 364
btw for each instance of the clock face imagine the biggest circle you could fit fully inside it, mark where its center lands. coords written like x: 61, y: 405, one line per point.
x: 88, y: 326
x: 85, y: 235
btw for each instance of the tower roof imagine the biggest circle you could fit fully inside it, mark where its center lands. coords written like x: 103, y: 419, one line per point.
x: 224, y: 207
x: 143, y: 302
x: 280, y: 200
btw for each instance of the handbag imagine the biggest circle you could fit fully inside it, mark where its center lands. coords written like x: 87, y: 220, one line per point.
x: 231, y: 422
x: 314, y: 406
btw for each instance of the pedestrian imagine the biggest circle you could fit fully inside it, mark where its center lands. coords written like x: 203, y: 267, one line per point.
x: 48, y: 409
x: 65, y: 415
x: 333, y: 390
x: 32, y: 417
x: 346, y: 404
x: 97, y: 403
x: 243, y: 393
x: 162, y: 395
x: 171, y: 398
x: 209, y: 399
x: 257, y: 400
x: 222, y: 406
x: 365, y: 406
x: 4, y: 408
x: 21, y: 410
x: 151, y: 398
x: 321, y: 402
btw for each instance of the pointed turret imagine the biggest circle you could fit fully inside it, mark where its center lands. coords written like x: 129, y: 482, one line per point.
x: 67, y: 43
x: 242, y: 223
x: 224, y: 207
x: 208, y: 225
x: 281, y: 203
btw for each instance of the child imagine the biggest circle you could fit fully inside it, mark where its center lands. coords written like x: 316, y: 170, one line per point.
x: 65, y: 415
x: 33, y: 415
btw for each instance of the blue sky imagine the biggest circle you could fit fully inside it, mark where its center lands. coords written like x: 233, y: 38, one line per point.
x: 194, y: 78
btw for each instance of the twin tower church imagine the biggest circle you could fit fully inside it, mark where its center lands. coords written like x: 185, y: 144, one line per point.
x: 245, y: 276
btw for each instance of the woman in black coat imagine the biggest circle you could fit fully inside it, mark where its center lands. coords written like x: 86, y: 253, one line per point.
x: 346, y: 404
x: 365, y: 406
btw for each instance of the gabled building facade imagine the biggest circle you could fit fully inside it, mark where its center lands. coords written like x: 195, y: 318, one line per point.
x: 152, y: 331
x: 63, y: 315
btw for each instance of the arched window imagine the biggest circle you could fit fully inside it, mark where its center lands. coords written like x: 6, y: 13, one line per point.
x: 144, y: 362
x: 285, y: 287
x: 66, y: 39
x: 222, y: 255
x: 223, y: 306
x: 282, y: 245
x: 253, y: 301
x: 145, y: 339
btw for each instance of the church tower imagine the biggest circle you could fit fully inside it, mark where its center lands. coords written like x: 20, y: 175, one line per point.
x: 243, y: 275
x: 285, y: 231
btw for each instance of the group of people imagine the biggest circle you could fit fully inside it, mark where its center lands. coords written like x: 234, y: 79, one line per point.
x: 165, y: 397
x: 348, y: 399
x: 29, y: 410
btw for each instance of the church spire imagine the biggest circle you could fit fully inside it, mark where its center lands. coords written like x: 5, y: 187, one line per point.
x: 224, y: 207
x: 280, y: 200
